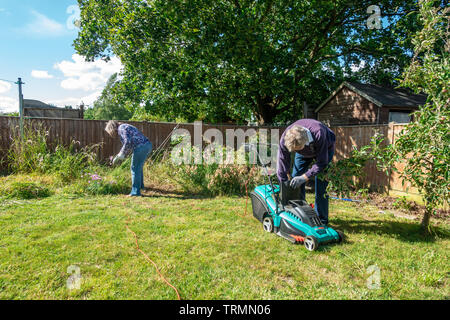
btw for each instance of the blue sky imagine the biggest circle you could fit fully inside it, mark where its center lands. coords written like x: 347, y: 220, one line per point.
x: 36, y: 38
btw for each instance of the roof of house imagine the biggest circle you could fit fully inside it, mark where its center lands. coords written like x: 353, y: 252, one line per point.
x: 381, y: 96
x: 29, y: 103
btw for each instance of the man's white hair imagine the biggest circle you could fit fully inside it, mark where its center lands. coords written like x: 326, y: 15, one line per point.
x: 296, y: 137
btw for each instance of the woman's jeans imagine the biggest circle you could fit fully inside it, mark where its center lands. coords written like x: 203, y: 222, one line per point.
x: 140, y: 154
x: 301, y: 165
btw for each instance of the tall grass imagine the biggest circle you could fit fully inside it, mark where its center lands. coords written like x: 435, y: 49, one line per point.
x: 32, y: 153
x: 211, y: 179
x: 70, y: 166
x: 78, y: 171
x: 26, y: 154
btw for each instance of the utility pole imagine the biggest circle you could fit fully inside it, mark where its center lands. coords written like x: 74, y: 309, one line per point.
x: 20, y: 83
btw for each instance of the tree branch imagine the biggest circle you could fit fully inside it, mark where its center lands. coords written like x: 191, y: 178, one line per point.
x: 266, y: 12
x: 236, y: 3
x: 364, y: 18
x: 352, y: 49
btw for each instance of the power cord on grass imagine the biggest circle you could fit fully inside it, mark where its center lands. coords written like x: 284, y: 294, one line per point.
x: 150, y: 260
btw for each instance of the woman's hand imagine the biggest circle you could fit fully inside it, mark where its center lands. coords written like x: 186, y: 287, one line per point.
x: 118, y: 158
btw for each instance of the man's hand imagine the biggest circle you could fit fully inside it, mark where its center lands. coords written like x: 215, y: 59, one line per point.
x: 298, y: 181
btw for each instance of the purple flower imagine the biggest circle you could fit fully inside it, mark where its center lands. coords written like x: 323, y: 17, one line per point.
x: 95, y: 177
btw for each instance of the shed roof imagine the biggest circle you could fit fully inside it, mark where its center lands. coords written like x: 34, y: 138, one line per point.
x: 381, y: 96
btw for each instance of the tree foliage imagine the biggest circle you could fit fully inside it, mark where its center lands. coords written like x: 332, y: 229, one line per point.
x: 239, y: 60
x: 106, y: 107
x: 423, y: 147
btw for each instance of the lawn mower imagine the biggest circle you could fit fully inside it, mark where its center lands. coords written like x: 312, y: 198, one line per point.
x: 281, y: 211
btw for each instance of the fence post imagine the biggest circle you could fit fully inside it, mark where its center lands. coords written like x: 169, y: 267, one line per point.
x: 391, y: 140
x: 20, y: 83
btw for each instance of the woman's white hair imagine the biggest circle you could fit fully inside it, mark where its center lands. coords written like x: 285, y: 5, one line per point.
x: 295, y: 138
x: 111, y: 127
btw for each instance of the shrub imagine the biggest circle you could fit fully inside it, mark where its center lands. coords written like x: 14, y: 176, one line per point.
x: 403, y: 204
x: 347, y: 175
x: 193, y: 178
x: 423, y: 147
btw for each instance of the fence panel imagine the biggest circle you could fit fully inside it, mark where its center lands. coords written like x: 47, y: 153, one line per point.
x: 395, y: 182
x: 349, y: 137
x: 89, y: 132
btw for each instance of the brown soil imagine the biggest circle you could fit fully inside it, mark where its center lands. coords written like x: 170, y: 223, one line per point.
x: 152, y: 189
x: 384, y: 202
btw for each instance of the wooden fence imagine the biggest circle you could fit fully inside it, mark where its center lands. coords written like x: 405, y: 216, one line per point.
x: 348, y: 137
x: 88, y: 132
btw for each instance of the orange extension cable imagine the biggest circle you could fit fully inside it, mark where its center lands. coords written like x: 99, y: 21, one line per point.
x: 150, y: 260
x: 246, y: 193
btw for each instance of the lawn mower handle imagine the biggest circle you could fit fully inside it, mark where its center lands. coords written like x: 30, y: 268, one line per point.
x: 249, y: 147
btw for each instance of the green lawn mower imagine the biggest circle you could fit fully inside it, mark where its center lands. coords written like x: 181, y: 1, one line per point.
x: 281, y: 211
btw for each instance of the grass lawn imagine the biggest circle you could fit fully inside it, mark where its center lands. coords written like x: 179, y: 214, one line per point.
x: 209, y: 249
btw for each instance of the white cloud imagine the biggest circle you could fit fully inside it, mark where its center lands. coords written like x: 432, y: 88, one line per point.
x: 75, y: 102
x: 4, y: 86
x: 8, y: 104
x: 41, y: 74
x: 87, y: 76
x: 43, y: 26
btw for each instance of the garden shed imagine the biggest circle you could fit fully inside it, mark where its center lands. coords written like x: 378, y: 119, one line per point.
x: 355, y: 103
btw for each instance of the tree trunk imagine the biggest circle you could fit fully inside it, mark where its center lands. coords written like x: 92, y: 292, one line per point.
x: 266, y: 111
x: 425, y: 225
x: 268, y: 108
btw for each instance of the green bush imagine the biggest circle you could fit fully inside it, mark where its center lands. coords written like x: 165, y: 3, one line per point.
x: 347, y: 175
x: 194, y: 178
x: 403, y: 204
x: 25, y: 190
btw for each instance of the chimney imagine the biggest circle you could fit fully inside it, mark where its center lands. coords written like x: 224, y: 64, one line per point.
x: 81, y: 111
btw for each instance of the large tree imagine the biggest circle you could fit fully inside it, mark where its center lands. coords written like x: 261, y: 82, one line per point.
x: 105, y: 107
x: 236, y: 60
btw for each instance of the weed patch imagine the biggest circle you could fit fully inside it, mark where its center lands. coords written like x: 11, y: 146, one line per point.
x: 24, y: 190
